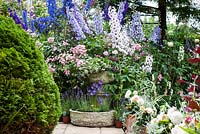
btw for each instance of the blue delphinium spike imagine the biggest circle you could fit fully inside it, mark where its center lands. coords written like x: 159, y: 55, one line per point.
x: 52, y: 7
x: 135, y: 28
x: 105, y: 12
x: 76, y: 28
x: 81, y: 21
x: 24, y: 16
x: 98, y: 20
x: 156, y: 35
x: 88, y: 5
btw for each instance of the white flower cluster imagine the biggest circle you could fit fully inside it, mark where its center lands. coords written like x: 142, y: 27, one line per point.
x: 118, y: 36
x: 176, y: 118
x: 181, y: 53
x: 147, y: 67
x: 138, y: 100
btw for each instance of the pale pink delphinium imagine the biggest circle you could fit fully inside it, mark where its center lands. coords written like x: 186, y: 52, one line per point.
x: 50, y: 39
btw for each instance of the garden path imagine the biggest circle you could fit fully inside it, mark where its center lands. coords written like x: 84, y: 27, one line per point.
x: 70, y: 129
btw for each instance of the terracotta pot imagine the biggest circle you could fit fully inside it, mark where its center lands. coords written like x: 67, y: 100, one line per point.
x: 66, y: 119
x: 129, y: 122
x: 118, y: 124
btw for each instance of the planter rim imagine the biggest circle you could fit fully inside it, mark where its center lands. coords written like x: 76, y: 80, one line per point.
x: 71, y: 110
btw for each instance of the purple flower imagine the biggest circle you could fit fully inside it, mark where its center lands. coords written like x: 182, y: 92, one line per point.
x: 105, y: 12
x: 123, y: 7
x: 100, y: 100
x: 156, y: 35
x: 19, y: 2
x: 81, y: 21
x: 16, y: 19
x: 76, y: 27
x: 98, y: 23
x: 88, y: 4
x: 135, y: 29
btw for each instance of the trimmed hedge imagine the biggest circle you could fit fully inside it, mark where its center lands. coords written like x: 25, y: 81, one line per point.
x: 29, y: 97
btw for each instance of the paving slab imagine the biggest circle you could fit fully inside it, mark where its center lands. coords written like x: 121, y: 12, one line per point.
x: 111, y: 131
x: 71, y: 129
x: 81, y: 130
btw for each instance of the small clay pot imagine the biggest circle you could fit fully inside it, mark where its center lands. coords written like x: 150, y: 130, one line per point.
x: 66, y: 119
x: 118, y: 124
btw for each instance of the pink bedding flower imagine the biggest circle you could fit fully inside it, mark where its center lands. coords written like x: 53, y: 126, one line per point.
x: 50, y: 39
x: 160, y: 77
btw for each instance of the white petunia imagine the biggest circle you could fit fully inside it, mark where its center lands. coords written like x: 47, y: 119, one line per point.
x: 177, y: 130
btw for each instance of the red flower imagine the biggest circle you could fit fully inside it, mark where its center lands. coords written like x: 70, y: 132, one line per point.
x: 191, y: 88
x: 181, y: 81
x: 198, y: 50
x: 194, y: 60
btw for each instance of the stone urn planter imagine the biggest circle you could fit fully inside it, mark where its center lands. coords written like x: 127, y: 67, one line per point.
x: 92, y: 119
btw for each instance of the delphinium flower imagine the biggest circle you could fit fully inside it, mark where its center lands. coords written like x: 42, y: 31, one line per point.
x: 147, y: 67
x: 105, y: 12
x: 156, y: 35
x: 52, y: 7
x: 88, y: 4
x: 118, y: 37
x: 44, y: 22
x: 135, y: 29
x: 16, y: 18
x: 19, y: 2
x: 181, y: 53
x: 98, y: 20
x: 67, y: 3
x: 24, y: 16
x: 123, y: 7
x: 81, y: 21
x: 76, y: 28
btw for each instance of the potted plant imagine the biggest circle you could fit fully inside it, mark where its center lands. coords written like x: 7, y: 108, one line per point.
x: 118, y: 117
x: 66, y: 105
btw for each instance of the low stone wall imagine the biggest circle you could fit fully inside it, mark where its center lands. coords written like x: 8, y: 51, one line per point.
x: 92, y: 119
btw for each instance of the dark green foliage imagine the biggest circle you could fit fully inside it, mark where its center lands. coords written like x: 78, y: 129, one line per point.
x: 29, y: 98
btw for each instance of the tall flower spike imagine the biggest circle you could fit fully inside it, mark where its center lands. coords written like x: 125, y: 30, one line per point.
x: 98, y: 19
x: 81, y: 21
x: 135, y: 28
x: 76, y: 28
x: 156, y: 35
x: 52, y: 7
x: 88, y: 4
x: 24, y: 16
x: 105, y: 12
x: 123, y: 7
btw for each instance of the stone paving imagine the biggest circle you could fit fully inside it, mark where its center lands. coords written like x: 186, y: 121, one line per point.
x: 71, y: 129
